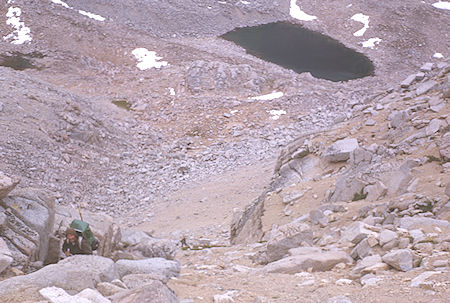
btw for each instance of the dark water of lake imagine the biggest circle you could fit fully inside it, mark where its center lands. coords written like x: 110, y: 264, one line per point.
x: 302, y: 50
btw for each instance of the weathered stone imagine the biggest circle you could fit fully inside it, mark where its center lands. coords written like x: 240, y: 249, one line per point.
x: 362, y: 250
x: 288, y: 236
x: 304, y: 251
x: 148, y: 266
x: 314, y: 262
x: 108, y: 289
x: 348, y: 188
x: 356, y: 232
x: 420, y: 279
x: 364, y: 263
x: 340, y: 150
x: 398, y: 118
x: 72, y: 274
x: 423, y: 88
x: 408, y: 81
x: 7, y: 184
x: 223, y: 298
x: 401, y: 259
x: 32, y: 216
x: 152, y: 292
x: 154, y: 248
x: 136, y: 280
x: 5, y: 256
x: 360, y: 155
x: 386, y: 236
x: 316, y: 216
x: 435, y: 126
x: 375, y: 191
x: 427, y: 67
x: 417, y: 222
x: 444, y: 147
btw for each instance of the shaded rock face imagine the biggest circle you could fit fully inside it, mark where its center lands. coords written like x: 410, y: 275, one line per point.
x: 30, y: 216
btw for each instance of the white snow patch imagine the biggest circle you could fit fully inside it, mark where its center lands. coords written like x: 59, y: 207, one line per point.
x: 276, y: 114
x: 438, y: 55
x: 21, y: 33
x: 371, y: 43
x: 61, y: 3
x: 92, y: 16
x: 147, y: 59
x: 364, y: 20
x: 245, y: 2
x: 442, y: 5
x: 172, y: 91
x: 271, y: 96
x: 297, y: 13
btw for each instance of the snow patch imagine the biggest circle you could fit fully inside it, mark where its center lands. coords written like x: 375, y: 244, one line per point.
x: 92, y: 16
x: 172, y: 91
x: 276, y: 114
x: 364, y: 20
x: 371, y: 43
x: 82, y: 12
x: 21, y: 33
x: 438, y: 55
x: 61, y: 3
x: 147, y: 59
x: 442, y: 5
x: 297, y: 13
x: 271, y: 96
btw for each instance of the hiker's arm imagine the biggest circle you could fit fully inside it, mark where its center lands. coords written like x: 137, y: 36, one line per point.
x: 85, y: 247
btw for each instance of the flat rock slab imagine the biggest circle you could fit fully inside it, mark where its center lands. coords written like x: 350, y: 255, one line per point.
x: 316, y: 262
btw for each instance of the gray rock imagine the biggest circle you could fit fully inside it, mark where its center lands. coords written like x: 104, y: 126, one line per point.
x: 435, y: 126
x: 408, y: 81
x: 427, y: 67
x: 400, y: 259
x: 420, y: 279
x: 314, y: 262
x: 375, y: 191
x: 362, y: 250
x: 386, y: 236
x: 398, y: 118
x: 152, y: 292
x: 72, y: 274
x: 447, y: 189
x: 59, y: 295
x: 159, y: 266
x: 425, y: 87
x: 132, y: 237
x: 340, y: 150
x: 288, y: 236
x: 154, y: 248
x: 356, y: 232
x: 31, y: 216
x: 416, y: 222
x: 370, y: 122
x: 5, y: 256
x: 317, y: 216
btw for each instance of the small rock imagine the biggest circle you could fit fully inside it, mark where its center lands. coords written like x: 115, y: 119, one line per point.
x: 420, y: 279
x: 387, y: 236
x: 339, y: 299
x: 427, y: 67
x: 408, y: 81
x: 370, y: 122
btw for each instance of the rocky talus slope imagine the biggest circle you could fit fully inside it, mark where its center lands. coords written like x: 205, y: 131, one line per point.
x: 355, y: 213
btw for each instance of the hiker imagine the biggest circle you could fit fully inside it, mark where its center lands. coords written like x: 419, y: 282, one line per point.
x: 75, y: 244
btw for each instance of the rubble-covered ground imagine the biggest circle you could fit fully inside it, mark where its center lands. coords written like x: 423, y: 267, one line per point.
x: 189, y: 153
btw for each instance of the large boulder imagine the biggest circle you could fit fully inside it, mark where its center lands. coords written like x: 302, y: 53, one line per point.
x: 142, y: 246
x: 152, y: 292
x: 159, y: 266
x: 308, y: 262
x: 340, y: 150
x: 7, y: 184
x: 288, y: 236
x: 30, y: 215
x: 72, y: 274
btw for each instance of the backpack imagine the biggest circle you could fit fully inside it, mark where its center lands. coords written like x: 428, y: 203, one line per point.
x: 83, y: 228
